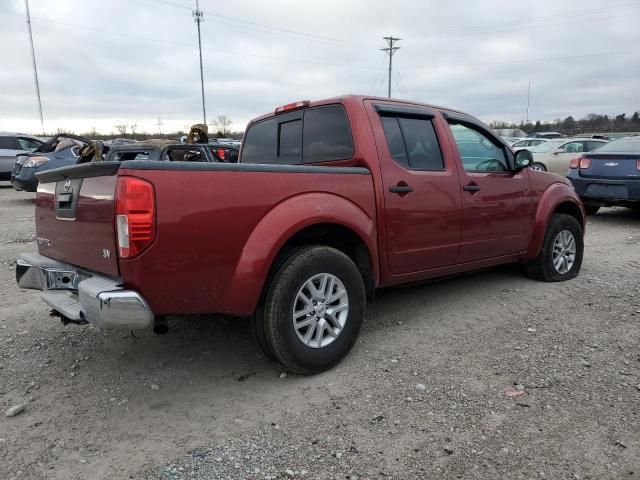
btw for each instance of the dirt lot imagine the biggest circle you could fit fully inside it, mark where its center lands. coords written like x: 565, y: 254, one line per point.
x: 421, y: 396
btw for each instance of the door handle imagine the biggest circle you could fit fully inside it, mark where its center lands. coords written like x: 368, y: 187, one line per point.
x: 472, y: 187
x: 401, y: 189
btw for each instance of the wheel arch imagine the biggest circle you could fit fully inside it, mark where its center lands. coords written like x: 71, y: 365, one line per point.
x: 309, y: 219
x: 558, y: 198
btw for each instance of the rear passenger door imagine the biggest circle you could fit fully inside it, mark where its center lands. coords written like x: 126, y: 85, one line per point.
x: 423, y: 209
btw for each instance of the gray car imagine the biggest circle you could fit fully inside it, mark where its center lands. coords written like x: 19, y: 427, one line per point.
x: 11, y: 145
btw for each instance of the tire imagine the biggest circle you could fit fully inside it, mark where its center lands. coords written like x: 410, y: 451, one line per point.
x: 591, y: 209
x: 542, y: 267
x: 538, y: 166
x: 289, y: 292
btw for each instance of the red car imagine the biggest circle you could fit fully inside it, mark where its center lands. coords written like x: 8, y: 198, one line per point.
x: 330, y: 201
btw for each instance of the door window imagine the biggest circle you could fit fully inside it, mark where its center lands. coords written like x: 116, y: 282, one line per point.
x: 477, y: 151
x: 9, y: 143
x: 413, y: 143
x: 593, y: 145
x: 573, y: 147
x: 28, y: 143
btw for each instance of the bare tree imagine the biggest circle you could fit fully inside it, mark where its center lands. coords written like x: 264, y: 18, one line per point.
x: 121, y: 128
x: 223, y: 124
x: 133, y: 127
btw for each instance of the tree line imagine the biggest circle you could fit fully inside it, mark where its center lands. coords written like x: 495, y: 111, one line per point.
x: 591, y: 123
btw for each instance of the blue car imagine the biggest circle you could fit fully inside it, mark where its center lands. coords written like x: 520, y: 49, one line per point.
x: 60, y: 150
x: 609, y: 175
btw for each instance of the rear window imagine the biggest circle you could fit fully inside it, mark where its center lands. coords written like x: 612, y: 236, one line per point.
x: 9, y: 143
x: 326, y: 135
x: 413, y: 143
x: 309, y: 136
x: 623, y: 145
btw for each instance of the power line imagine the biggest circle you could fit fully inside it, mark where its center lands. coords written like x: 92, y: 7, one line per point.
x: 270, y: 27
x: 35, y: 68
x: 390, y: 50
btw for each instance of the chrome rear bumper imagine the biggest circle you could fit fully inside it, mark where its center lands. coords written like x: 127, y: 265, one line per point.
x: 80, y: 295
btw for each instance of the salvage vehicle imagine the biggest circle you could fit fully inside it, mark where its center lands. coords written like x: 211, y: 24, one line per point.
x: 330, y: 201
x: 608, y: 176
x: 157, y: 150
x: 11, y: 145
x: 61, y: 150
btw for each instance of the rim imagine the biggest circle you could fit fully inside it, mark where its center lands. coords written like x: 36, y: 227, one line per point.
x: 564, y: 252
x: 539, y: 167
x: 320, y: 310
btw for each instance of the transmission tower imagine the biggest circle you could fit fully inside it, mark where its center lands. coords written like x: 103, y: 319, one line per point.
x: 390, y: 50
x: 198, y: 16
x: 35, y: 68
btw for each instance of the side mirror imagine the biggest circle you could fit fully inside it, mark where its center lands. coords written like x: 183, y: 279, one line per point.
x: 523, y: 159
x: 559, y: 150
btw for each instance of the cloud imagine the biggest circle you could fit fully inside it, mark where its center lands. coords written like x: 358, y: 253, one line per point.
x: 102, y: 63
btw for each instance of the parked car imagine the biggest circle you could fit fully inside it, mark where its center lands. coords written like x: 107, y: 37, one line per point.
x: 555, y: 155
x: 158, y: 150
x: 511, y: 140
x: 510, y: 132
x: 546, y: 135
x: 609, y: 176
x: 330, y: 201
x: 528, y: 142
x: 61, y: 150
x: 11, y: 145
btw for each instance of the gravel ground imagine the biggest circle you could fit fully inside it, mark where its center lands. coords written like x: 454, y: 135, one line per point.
x: 484, y: 376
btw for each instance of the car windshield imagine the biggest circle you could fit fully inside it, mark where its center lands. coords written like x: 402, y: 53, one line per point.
x: 622, y: 145
x: 545, y: 147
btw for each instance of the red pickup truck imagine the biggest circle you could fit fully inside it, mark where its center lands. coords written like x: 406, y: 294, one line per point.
x: 330, y: 201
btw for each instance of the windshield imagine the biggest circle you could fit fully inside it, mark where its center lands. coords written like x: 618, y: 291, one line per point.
x: 545, y: 147
x: 622, y: 145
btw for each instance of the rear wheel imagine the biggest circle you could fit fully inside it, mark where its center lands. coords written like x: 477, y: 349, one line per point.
x: 538, y: 166
x: 560, y: 258
x: 313, y: 310
x: 591, y: 209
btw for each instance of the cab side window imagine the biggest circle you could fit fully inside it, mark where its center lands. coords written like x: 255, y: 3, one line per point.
x: 477, y: 151
x: 574, y: 147
x: 413, y: 142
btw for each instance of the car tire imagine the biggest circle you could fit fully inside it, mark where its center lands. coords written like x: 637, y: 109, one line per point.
x: 538, y: 166
x: 591, y: 209
x: 313, y: 310
x: 548, y: 266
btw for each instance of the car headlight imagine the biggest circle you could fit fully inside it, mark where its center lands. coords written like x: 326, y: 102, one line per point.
x: 35, y: 161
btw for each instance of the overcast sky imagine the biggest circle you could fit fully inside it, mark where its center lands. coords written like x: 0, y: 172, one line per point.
x: 133, y: 61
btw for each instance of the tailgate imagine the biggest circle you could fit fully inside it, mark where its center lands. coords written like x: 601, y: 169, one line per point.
x: 75, y: 211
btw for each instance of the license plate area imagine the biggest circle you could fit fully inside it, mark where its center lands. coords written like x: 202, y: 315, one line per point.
x: 601, y: 190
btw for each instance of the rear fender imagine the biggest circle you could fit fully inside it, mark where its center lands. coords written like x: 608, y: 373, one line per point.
x: 279, y: 225
x: 554, y: 196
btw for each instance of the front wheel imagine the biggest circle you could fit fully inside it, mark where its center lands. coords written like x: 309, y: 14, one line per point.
x: 313, y: 310
x: 538, y: 166
x: 560, y: 258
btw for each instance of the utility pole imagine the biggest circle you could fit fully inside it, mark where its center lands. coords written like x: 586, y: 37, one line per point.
x: 390, y: 50
x: 159, y: 123
x: 35, y: 68
x: 528, y: 101
x: 198, y: 16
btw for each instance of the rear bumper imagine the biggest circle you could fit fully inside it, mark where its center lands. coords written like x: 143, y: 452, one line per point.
x: 603, y: 191
x: 83, y: 296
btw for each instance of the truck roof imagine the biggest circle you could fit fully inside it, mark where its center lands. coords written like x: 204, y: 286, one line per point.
x: 348, y: 98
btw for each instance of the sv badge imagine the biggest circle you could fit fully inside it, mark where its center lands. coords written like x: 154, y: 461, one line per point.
x: 106, y: 253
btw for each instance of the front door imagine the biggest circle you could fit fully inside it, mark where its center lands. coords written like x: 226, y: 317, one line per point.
x: 497, y: 206
x: 423, y: 209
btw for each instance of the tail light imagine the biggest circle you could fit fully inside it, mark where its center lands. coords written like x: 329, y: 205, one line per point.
x: 292, y: 106
x: 585, y: 163
x: 637, y: 164
x: 575, y: 163
x: 135, y: 216
x: 220, y: 153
